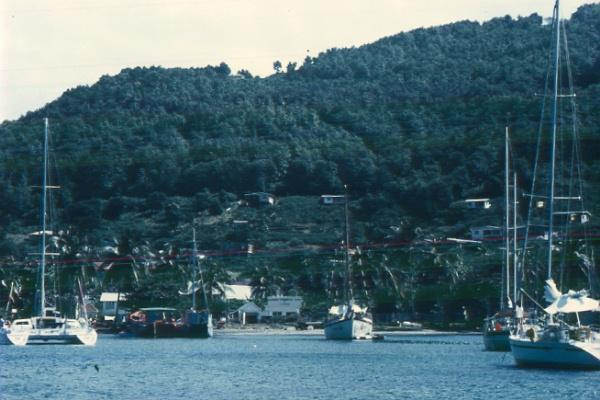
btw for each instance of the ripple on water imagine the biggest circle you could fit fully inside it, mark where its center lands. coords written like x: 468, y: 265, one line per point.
x: 279, y: 367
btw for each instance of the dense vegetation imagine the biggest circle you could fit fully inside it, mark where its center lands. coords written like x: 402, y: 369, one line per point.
x: 412, y: 123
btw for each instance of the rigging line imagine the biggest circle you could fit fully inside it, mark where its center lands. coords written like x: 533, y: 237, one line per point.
x: 535, y: 166
x: 590, y: 262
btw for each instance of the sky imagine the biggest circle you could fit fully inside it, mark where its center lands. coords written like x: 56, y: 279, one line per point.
x: 49, y: 46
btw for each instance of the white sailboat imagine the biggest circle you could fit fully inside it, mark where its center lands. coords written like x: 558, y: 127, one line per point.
x: 559, y: 343
x: 47, y: 327
x: 348, y: 321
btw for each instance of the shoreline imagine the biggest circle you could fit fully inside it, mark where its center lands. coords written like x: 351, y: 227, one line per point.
x: 265, y: 330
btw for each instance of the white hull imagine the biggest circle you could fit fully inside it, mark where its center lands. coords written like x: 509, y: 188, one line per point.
x: 71, y: 332
x: 349, y: 329
x: 555, y: 354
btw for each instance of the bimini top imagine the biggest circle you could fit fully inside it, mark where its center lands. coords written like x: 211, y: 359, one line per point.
x: 570, y: 302
x: 340, y: 310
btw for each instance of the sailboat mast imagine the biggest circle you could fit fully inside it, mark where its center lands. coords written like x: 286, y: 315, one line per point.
x: 195, y: 268
x: 553, y: 143
x: 42, y: 304
x: 506, y: 215
x: 348, y: 291
x: 515, y: 237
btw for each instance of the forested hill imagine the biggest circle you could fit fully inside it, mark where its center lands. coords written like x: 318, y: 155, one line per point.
x: 412, y: 123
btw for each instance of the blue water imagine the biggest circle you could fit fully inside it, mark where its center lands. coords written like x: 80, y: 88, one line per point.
x: 281, y: 367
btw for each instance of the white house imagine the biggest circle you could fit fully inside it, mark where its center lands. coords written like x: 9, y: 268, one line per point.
x: 478, y: 203
x: 259, y: 199
x: 248, y: 313
x: 283, y: 307
x: 109, y: 303
x: 486, y: 232
x: 328, y: 199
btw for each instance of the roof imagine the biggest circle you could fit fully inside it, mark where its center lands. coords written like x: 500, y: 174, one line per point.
x: 249, y: 307
x: 258, y: 194
x: 112, y: 296
x: 236, y: 292
x: 476, y: 200
x: 485, y: 227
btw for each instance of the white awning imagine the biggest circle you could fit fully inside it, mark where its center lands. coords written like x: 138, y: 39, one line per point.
x: 551, y: 292
x: 340, y: 310
x: 570, y: 302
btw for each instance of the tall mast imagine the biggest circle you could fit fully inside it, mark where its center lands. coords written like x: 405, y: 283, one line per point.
x: 515, y: 237
x: 553, y: 143
x: 197, y: 271
x: 348, y: 291
x: 506, y: 215
x: 195, y: 268
x: 42, y: 304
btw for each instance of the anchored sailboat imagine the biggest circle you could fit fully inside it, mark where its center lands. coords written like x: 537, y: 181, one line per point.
x: 348, y: 321
x: 497, y: 328
x: 559, y: 343
x: 48, y: 327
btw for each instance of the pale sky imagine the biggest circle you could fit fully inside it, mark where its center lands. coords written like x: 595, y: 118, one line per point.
x: 48, y: 46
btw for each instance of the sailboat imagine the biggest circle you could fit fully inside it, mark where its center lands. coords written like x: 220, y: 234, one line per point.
x: 497, y: 328
x: 562, y: 341
x: 197, y: 323
x: 48, y: 326
x: 348, y: 321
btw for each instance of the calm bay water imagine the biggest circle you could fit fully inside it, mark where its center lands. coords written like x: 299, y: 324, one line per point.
x: 280, y: 367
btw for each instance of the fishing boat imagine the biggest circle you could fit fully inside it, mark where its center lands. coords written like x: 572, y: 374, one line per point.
x: 146, y: 322
x: 48, y: 326
x: 348, y: 321
x: 497, y: 328
x: 197, y: 323
x: 165, y: 322
x: 562, y: 341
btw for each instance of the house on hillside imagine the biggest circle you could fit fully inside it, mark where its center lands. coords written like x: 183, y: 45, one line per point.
x: 486, y: 232
x: 259, y: 199
x: 329, y: 199
x: 478, y: 204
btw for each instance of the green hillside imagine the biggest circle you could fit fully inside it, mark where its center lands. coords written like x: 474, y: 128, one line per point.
x: 412, y: 123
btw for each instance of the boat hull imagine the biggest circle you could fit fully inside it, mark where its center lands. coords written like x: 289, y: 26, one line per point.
x: 86, y: 337
x: 143, y: 330
x: 349, y: 329
x: 13, y: 338
x: 201, y: 331
x: 198, y: 324
x: 496, y: 341
x: 552, y: 354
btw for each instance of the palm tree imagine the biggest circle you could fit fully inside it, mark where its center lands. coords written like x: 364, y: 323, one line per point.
x: 124, y: 262
x: 265, y: 281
